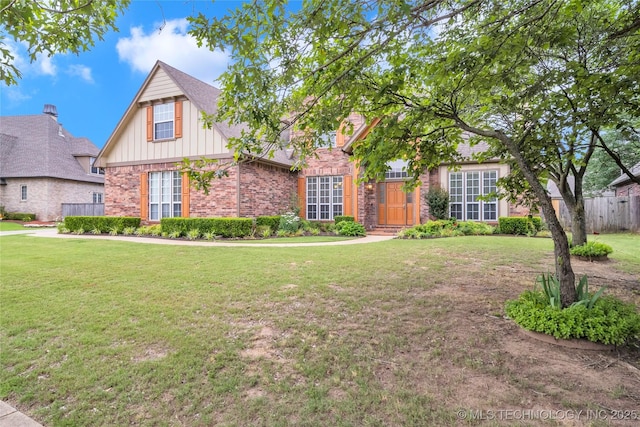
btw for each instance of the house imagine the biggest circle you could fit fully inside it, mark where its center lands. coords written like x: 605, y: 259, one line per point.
x: 162, y: 125
x: 43, y: 166
x: 624, y: 186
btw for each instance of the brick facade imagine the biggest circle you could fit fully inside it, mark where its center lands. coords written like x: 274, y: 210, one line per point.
x: 45, y: 195
x: 629, y: 189
x: 264, y: 190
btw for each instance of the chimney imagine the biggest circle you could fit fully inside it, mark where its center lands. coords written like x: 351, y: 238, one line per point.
x: 51, y: 110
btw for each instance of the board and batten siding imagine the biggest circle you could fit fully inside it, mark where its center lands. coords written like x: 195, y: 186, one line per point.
x: 160, y: 86
x: 196, y: 141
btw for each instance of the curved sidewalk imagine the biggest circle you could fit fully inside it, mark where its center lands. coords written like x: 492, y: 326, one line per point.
x: 53, y: 233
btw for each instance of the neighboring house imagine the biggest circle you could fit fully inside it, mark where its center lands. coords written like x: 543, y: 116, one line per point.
x: 43, y: 166
x: 163, y: 125
x: 624, y: 186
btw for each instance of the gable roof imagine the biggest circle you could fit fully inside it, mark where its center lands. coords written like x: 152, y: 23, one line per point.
x: 203, y: 96
x: 38, y: 146
x: 624, y: 178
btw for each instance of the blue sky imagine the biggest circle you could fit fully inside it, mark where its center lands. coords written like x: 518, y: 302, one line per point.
x: 92, y: 90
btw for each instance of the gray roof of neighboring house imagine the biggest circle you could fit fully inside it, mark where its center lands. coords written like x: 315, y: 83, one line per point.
x: 624, y: 178
x: 31, y: 146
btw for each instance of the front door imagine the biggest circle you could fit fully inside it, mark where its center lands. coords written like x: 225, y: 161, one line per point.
x: 395, y: 207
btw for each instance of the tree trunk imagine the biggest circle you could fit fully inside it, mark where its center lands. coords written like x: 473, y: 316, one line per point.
x: 562, y: 259
x: 574, y: 202
x: 579, y: 220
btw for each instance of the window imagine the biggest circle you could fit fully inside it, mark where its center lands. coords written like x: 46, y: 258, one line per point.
x: 327, y: 140
x: 324, y: 197
x: 95, y: 170
x: 165, y: 195
x: 97, y: 197
x: 397, y: 169
x: 465, y: 192
x: 163, y: 121
x: 23, y: 193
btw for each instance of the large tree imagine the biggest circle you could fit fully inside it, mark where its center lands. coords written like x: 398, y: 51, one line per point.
x: 52, y: 26
x: 537, y: 79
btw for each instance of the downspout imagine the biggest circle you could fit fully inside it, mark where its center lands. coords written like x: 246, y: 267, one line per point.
x: 238, y: 191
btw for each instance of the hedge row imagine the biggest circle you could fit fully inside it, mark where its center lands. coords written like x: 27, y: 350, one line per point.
x: 225, y: 227
x: 19, y: 216
x: 339, y: 218
x: 519, y: 225
x: 268, y: 221
x: 104, y: 224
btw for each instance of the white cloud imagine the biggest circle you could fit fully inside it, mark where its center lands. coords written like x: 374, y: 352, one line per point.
x: 43, y: 65
x: 171, y: 44
x: 46, y: 66
x: 81, y: 71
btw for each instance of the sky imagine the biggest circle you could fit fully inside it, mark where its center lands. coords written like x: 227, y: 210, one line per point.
x: 93, y: 90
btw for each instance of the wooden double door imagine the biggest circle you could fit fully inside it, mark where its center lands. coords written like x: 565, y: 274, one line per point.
x: 395, y: 207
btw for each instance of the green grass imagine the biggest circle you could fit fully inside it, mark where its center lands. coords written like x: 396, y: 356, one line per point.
x: 10, y: 226
x: 301, y: 239
x: 625, y: 250
x: 97, y: 332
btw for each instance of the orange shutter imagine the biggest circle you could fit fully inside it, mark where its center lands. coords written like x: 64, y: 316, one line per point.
x: 150, y: 123
x: 177, y: 111
x: 144, y: 196
x: 302, y: 197
x: 347, y: 195
x: 185, y: 195
x: 340, y: 136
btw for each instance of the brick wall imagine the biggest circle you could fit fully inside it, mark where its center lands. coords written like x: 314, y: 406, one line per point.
x: 266, y: 189
x: 46, y: 195
x: 630, y: 189
x: 329, y: 162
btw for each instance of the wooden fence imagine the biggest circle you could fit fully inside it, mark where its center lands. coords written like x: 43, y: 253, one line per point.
x: 82, y: 209
x: 607, y: 214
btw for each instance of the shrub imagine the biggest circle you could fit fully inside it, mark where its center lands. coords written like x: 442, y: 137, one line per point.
x: 272, y: 221
x: 225, y: 227
x: 289, y: 222
x: 438, y: 202
x: 446, y: 228
x: 103, y: 223
x: 609, y: 321
x: 592, y: 249
x: 264, y: 231
x: 19, y: 216
x: 350, y: 228
x: 340, y: 218
x: 128, y: 231
x: 193, y: 234
x: 524, y: 226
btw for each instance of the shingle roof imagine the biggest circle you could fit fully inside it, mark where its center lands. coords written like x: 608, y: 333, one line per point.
x: 31, y: 146
x: 623, y: 178
x: 205, y: 98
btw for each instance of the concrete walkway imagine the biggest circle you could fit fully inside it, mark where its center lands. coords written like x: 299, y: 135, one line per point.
x: 53, y: 232
x: 10, y: 417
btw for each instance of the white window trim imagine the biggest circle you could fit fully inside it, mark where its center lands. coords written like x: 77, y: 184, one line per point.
x: 167, y: 195
x: 327, y: 140
x: 328, y: 205
x: 98, y: 197
x: 156, y: 121
x: 464, y: 203
x: 24, y: 193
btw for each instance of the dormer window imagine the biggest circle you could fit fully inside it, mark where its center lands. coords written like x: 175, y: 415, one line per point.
x: 95, y: 170
x: 164, y: 121
x: 327, y: 140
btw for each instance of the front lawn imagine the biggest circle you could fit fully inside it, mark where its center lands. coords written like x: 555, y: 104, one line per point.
x: 404, y: 332
x: 10, y: 226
